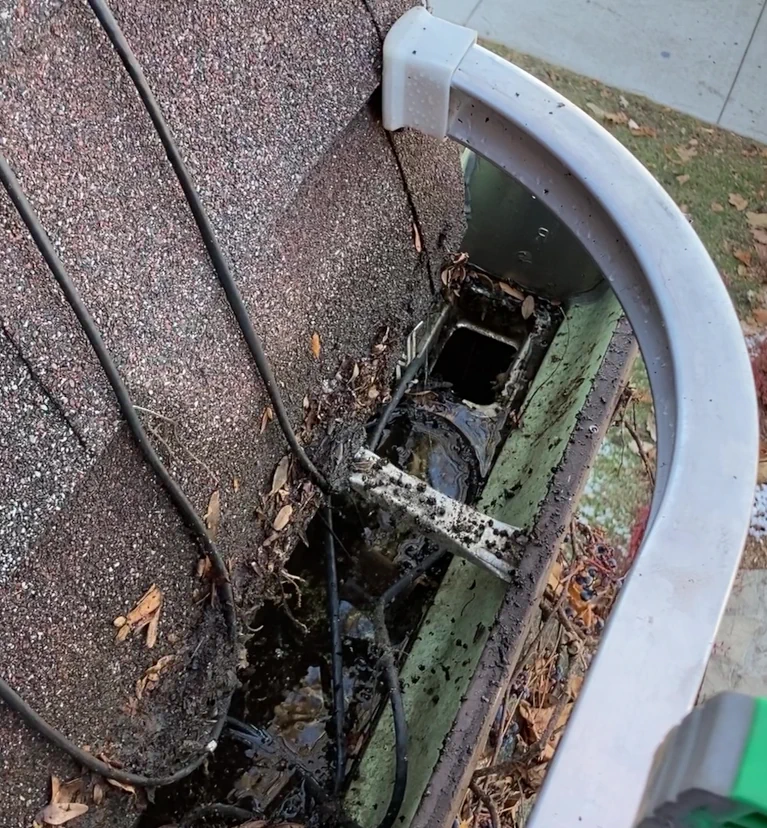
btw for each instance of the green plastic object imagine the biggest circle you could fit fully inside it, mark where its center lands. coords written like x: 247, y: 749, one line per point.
x: 711, y: 770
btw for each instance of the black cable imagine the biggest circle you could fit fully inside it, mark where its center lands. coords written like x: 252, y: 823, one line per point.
x: 412, y: 575
x: 398, y: 716
x: 336, y: 650
x: 220, y: 264
x: 220, y: 810
x: 177, y: 496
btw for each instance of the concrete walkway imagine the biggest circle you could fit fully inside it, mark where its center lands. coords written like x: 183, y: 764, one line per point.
x: 704, y: 57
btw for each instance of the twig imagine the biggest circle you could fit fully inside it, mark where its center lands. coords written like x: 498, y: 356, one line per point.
x: 487, y: 801
x: 187, y: 450
x: 633, y: 432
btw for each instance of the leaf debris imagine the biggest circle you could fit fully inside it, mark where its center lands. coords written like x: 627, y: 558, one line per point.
x: 145, y: 613
x: 283, y: 518
x: 213, y: 513
x: 63, y: 806
x: 316, y: 345
x: 737, y: 201
x: 280, y: 479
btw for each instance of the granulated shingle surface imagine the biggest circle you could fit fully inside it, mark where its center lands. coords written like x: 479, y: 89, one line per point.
x: 268, y: 104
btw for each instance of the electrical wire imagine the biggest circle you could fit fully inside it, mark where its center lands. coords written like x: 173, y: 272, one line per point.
x: 177, y: 496
x: 336, y: 651
x: 217, y: 257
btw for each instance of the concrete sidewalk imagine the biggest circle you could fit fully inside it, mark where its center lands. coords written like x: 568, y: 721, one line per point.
x: 707, y: 58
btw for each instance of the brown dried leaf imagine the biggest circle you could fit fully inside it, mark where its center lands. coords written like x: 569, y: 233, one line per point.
x: 61, y: 809
x: 283, y: 518
x: 555, y: 577
x: 266, y: 418
x: 682, y: 179
x: 761, y: 474
x: 528, y: 307
x: 760, y: 316
x: 760, y: 236
x: 642, y: 131
x: 686, y: 153
x: 280, y: 475
x: 150, y: 678
x: 213, y: 514
x: 743, y: 256
x: 123, y: 632
x: 716, y: 207
x: 152, y: 630
x: 142, y: 613
x: 204, y: 568
x: 417, y: 243
x: 355, y: 372
x: 98, y: 793
x: 596, y: 110
x: 737, y: 201
x: 616, y: 117
x: 236, y: 484
x: 316, y: 345
x: 123, y: 786
x: 509, y: 290
x: 574, y: 684
x: 758, y: 220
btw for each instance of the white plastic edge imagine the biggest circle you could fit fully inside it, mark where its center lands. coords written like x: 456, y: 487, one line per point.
x: 653, y: 654
x: 421, y: 53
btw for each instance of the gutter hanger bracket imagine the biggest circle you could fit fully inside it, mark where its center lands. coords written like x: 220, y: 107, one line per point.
x: 421, y: 53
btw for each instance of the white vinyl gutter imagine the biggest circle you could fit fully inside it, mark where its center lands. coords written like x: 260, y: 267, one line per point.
x: 650, y: 663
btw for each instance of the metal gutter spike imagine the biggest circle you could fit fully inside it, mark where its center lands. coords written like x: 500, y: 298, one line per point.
x: 455, y: 527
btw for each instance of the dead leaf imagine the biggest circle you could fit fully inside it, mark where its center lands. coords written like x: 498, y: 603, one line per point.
x: 760, y: 316
x: 417, y: 243
x: 283, y: 518
x: 686, y: 153
x: 62, y: 809
x: 373, y: 392
x: 204, y: 568
x: 280, y: 475
x: 123, y: 786
x: 761, y: 474
x: 266, y: 418
x: 574, y: 684
x: 743, y: 256
x: 148, y: 604
x: 682, y: 179
x: 145, y: 613
x: 758, y: 220
x: 316, y: 345
x: 151, y: 677
x: 716, y: 207
x: 596, y: 110
x: 643, y: 131
x: 611, y: 117
x: 98, y: 794
x: 760, y: 236
x: 737, y: 201
x: 236, y: 484
x: 152, y: 631
x: 213, y: 514
x: 617, y: 117
x: 511, y: 291
x: 555, y: 577
x: 528, y: 307
x: 355, y: 372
